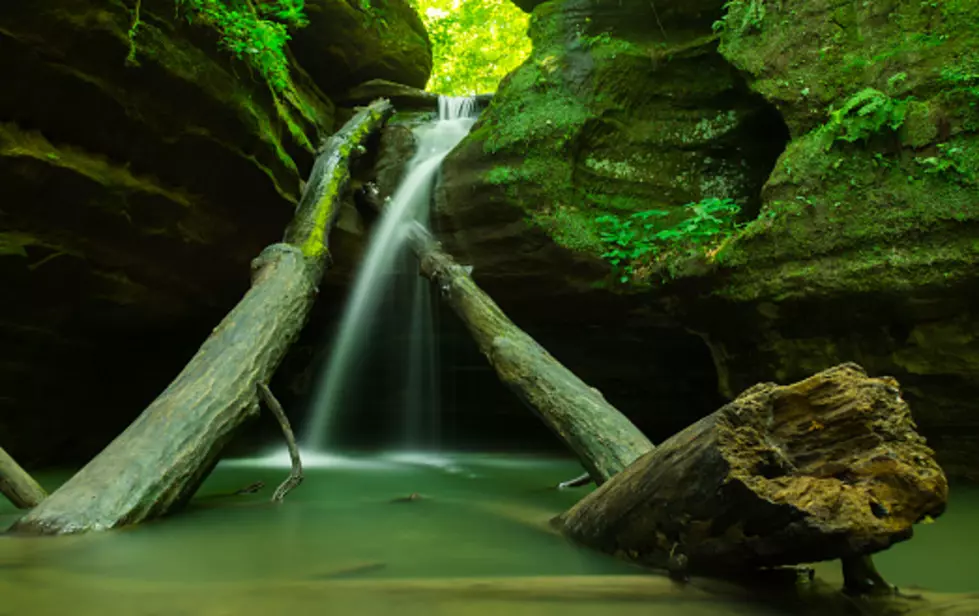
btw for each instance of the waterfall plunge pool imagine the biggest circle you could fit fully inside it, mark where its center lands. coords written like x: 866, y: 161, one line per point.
x: 473, y: 542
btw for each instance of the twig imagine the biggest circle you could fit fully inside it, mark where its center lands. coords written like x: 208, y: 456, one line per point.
x: 577, y: 482
x: 296, y: 474
x: 658, y: 22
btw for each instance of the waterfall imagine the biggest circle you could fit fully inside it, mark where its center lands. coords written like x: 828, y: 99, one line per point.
x: 386, y: 251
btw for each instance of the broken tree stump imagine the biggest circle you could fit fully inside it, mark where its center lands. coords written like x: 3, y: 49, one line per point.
x: 19, y: 487
x: 160, y: 460
x: 599, y: 434
x: 829, y: 467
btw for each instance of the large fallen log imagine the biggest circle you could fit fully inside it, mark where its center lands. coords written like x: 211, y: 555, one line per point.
x: 603, y: 438
x: 160, y: 460
x: 19, y: 487
x: 829, y: 467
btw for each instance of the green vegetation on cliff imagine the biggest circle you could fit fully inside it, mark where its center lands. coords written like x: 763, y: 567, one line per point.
x: 475, y: 43
x: 256, y: 33
x: 636, y: 245
x: 878, y: 191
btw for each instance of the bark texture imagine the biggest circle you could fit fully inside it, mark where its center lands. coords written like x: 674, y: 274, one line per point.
x: 604, y: 440
x: 829, y: 467
x: 160, y: 460
x: 19, y: 487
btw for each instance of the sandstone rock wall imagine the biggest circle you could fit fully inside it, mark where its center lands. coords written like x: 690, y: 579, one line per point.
x: 132, y: 197
x: 848, y: 134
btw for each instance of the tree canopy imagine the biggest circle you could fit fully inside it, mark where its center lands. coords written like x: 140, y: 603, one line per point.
x: 475, y: 43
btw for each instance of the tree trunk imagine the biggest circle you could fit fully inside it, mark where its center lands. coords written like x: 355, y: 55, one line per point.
x: 160, y: 460
x: 604, y: 440
x: 19, y: 487
x: 829, y: 467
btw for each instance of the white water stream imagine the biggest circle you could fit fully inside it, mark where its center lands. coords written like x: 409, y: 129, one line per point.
x: 387, y: 251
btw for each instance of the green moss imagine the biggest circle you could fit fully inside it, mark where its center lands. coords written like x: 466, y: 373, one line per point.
x: 256, y: 33
x: 920, y: 124
x: 899, y: 49
x: 18, y: 143
x: 877, y: 191
x: 543, y: 111
x: 571, y: 228
x: 314, y: 245
x: 13, y: 243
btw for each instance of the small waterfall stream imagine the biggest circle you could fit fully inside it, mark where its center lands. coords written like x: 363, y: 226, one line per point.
x: 376, y: 281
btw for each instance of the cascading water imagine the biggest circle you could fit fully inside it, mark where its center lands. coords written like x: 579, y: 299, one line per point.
x: 387, y: 249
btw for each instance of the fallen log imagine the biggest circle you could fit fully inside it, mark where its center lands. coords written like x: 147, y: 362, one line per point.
x: 160, y: 460
x: 19, y: 487
x: 829, y: 467
x: 604, y: 440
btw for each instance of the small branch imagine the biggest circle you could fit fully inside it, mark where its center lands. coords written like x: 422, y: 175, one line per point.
x: 658, y: 22
x: 296, y: 474
x: 577, y: 482
x: 19, y: 487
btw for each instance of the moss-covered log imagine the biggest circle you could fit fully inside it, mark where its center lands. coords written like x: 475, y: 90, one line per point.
x: 19, y: 487
x: 604, y: 440
x: 829, y: 467
x: 159, y: 461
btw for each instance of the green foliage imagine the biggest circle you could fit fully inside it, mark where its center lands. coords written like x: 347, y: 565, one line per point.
x: 637, y: 238
x: 588, y: 41
x: 256, y: 33
x: 741, y: 16
x: 133, y: 31
x: 571, y: 228
x: 910, y: 45
x: 954, y: 162
x: 964, y: 80
x: 866, y: 113
x: 475, y: 43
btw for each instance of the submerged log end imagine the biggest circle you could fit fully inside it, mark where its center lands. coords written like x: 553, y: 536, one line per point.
x: 825, y: 468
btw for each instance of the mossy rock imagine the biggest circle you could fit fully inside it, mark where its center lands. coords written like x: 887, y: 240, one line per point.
x: 132, y: 200
x: 882, y: 207
x: 620, y: 108
x: 346, y: 43
x: 866, y: 246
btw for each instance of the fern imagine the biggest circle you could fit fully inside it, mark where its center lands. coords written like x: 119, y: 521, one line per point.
x: 256, y: 34
x: 866, y: 113
x: 630, y: 240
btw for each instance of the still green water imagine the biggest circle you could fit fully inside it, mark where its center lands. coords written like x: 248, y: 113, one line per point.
x: 475, y: 542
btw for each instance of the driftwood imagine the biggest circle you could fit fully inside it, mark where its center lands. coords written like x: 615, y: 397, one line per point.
x: 829, y: 467
x: 19, y: 487
x: 296, y: 472
x: 160, y: 460
x: 604, y: 440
